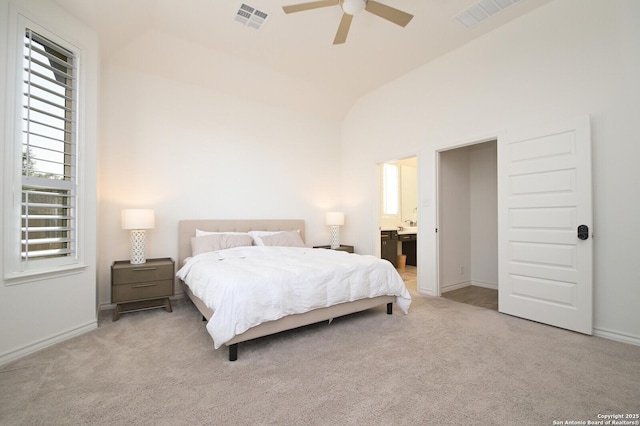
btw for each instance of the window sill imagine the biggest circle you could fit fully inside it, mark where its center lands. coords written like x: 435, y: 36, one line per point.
x: 25, y: 277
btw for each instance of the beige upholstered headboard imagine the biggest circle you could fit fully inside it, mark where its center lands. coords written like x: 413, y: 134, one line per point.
x: 187, y: 229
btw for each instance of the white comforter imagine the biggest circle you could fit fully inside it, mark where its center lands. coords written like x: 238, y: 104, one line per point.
x: 246, y: 286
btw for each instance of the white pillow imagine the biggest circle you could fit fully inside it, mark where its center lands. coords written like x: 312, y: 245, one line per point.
x: 256, y: 235
x: 261, y: 233
x: 200, y: 233
x: 281, y: 238
x: 213, y: 242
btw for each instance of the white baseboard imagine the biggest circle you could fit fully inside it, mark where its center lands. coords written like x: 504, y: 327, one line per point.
x: 426, y: 292
x: 618, y: 337
x: 456, y: 286
x: 35, y: 347
x: 464, y: 284
x: 492, y: 286
x: 107, y: 306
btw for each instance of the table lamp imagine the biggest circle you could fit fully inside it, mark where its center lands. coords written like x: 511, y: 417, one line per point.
x: 138, y: 220
x: 335, y: 220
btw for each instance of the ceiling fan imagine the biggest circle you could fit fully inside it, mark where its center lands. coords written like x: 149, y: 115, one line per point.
x: 350, y: 8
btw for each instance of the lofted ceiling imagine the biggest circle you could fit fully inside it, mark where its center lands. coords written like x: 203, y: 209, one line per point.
x: 300, y: 44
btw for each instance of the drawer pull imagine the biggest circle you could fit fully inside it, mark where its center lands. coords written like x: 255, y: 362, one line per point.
x: 143, y: 285
x: 148, y: 268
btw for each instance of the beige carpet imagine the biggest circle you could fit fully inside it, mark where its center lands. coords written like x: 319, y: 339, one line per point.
x: 445, y: 363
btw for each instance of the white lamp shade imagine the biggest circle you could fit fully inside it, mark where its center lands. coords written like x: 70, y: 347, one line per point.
x: 138, y: 219
x: 334, y: 218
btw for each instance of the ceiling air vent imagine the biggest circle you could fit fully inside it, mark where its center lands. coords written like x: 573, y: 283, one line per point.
x: 482, y: 10
x: 250, y: 16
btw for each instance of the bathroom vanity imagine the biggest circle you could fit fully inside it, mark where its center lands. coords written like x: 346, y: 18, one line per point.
x: 409, y: 242
x: 389, y: 246
x: 395, y: 242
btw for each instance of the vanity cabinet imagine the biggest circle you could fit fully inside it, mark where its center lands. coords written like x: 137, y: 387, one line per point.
x: 389, y: 246
x: 409, y: 243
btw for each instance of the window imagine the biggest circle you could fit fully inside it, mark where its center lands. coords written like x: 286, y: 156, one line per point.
x: 390, y: 190
x: 48, y: 219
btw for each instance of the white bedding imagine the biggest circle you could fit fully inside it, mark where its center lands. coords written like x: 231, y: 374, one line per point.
x: 246, y: 286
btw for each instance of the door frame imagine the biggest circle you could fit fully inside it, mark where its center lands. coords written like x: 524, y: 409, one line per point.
x: 430, y: 282
x: 429, y: 243
x: 378, y: 212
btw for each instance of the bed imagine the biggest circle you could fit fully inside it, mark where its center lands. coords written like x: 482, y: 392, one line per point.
x: 229, y: 257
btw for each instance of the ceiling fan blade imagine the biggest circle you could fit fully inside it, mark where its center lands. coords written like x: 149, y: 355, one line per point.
x: 343, y: 29
x: 389, y: 13
x: 308, y: 6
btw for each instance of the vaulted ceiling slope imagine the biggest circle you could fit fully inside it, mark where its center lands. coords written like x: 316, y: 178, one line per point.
x: 300, y: 45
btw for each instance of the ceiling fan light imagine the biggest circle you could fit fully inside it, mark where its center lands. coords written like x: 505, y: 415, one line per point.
x: 351, y: 7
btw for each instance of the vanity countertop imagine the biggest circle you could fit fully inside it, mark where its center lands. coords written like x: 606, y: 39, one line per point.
x: 408, y: 230
x: 401, y: 230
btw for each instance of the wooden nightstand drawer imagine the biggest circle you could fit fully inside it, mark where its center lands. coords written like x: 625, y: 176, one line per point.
x: 150, y: 271
x: 140, y: 291
x: 142, y: 286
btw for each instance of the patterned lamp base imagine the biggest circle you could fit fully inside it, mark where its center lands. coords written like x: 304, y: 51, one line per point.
x: 335, y: 237
x: 137, y: 246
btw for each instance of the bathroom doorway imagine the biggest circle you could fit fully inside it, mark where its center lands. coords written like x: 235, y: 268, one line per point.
x: 398, y: 217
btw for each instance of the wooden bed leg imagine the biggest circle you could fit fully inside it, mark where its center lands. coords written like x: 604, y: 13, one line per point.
x: 233, y: 352
x: 389, y: 308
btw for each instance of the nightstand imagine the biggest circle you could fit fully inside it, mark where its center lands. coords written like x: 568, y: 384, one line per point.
x: 140, y: 287
x: 348, y: 249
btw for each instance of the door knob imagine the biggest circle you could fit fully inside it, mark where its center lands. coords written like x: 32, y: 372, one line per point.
x: 583, y: 232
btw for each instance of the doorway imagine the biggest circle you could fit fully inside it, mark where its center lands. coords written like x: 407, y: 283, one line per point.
x: 544, y: 219
x: 468, y: 224
x: 397, y: 230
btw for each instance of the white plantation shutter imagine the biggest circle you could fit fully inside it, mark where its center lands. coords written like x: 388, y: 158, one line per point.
x: 48, y: 208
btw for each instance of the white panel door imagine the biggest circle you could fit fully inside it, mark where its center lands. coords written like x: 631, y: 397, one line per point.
x: 544, y: 195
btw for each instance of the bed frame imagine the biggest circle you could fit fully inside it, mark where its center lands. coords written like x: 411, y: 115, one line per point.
x: 186, y: 231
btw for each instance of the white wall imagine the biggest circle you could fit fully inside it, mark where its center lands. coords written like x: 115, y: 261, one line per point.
x: 40, y: 312
x: 568, y: 58
x: 194, y: 151
x: 483, y: 193
x: 454, y: 226
x: 409, y: 192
